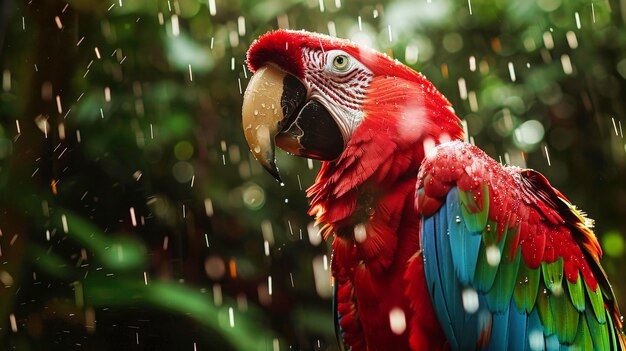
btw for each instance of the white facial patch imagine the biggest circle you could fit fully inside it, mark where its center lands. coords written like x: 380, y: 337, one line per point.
x: 339, y: 82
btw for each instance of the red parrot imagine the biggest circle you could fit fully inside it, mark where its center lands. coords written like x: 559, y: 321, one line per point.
x: 436, y: 246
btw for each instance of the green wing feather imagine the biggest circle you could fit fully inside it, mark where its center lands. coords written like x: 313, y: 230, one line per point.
x: 489, y: 257
x: 577, y: 294
x: 547, y: 317
x: 553, y: 275
x: 526, y: 287
x: 515, y: 212
x: 599, y: 331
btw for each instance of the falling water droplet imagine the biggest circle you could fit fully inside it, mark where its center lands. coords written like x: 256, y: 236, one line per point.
x: 536, y: 340
x: 470, y: 300
x: 397, y: 320
x: 493, y: 255
x: 360, y: 233
x: 212, y: 7
x: 512, y: 71
x: 231, y: 317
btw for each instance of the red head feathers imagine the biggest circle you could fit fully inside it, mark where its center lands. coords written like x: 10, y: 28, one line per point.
x: 284, y: 48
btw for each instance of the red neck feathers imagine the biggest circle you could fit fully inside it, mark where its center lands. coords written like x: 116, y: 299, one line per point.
x: 403, y: 118
x: 366, y: 198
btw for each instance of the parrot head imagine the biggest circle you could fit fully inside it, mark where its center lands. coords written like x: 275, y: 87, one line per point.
x: 311, y: 93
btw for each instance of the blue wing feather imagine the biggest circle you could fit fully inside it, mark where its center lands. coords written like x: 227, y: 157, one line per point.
x: 499, y: 332
x: 450, y: 252
x: 441, y: 275
x: 552, y: 343
x: 449, y: 284
x: 518, y: 340
x: 433, y: 279
x: 535, y: 334
x: 473, y: 241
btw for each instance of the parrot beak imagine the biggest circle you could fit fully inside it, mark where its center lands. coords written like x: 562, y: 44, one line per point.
x: 275, y: 112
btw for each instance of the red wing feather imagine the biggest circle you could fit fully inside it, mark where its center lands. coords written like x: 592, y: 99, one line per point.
x: 554, y: 239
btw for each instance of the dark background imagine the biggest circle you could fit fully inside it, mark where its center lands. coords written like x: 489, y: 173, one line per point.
x: 122, y: 108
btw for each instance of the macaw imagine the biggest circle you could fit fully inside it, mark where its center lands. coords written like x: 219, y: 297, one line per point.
x: 436, y: 246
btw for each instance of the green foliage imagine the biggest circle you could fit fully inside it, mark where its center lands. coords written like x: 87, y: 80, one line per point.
x: 613, y: 243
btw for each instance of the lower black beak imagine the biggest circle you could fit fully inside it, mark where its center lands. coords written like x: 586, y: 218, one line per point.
x: 313, y: 133
x: 275, y: 113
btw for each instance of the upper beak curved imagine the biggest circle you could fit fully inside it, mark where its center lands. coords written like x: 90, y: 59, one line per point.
x: 270, y: 98
x: 276, y: 112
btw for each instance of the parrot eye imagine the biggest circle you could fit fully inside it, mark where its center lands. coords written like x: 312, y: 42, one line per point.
x: 340, y: 62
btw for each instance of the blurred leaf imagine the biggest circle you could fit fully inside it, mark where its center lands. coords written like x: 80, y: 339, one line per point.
x: 118, y: 253
x: 50, y: 262
x: 613, y: 243
x: 244, y: 334
x: 182, y: 51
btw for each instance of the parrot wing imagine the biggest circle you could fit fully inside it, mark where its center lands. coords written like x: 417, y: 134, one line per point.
x: 509, y: 262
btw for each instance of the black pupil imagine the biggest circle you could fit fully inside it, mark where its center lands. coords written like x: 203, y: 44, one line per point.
x: 339, y: 60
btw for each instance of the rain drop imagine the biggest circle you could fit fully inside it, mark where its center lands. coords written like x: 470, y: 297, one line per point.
x: 315, y: 238
x: 493, y: 255
x: 397, y: 320
x: 231, y: 317
x: 360, y: 233
x: 470, y: 300
x: 536, y: 340
x: 212, y: 8
x: 512, y: 72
